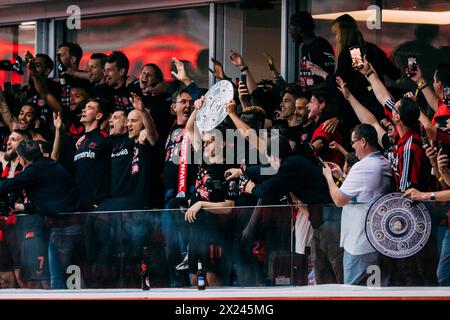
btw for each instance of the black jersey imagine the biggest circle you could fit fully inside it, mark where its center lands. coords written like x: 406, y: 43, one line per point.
x: 93, y: 167
x: 211, y: 185
x: 118, y: 98
x: 142, y: 174
x: 121, y: 155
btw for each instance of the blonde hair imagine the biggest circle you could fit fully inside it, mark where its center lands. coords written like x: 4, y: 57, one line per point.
x: 348, y: 34
x: 254, y: 110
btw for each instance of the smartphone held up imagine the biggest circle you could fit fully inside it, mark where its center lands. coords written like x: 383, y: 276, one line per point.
x: 411, y: 70
x: 357, y: 59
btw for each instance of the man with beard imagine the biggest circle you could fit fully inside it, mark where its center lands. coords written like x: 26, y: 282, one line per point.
x: 122, y: 152
x: 142, y: 177
x: 95, y: 68
x: 153, y: 91
x: 311, y: 47
x: 51, y: 191
x: 73, y: 128
x: 43, y: 92
x: 69, y: 57
x: 27, y: 120
x: 213, y: 196
x: 115, y: 88
x: 101, y: 228
x: 179, y: 181
x: 10, y: 244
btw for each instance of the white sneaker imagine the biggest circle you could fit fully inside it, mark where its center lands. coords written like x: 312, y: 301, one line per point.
x: 184, y: 264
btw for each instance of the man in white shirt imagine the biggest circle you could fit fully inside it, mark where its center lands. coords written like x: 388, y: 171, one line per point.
x: 367, y: 180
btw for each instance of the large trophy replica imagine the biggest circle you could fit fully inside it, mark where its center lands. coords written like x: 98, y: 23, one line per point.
x: 398, y: 227
x: 213, y: 111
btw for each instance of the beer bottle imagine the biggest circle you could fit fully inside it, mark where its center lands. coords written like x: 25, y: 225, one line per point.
x: 200, y: 276
x: 145, y: 277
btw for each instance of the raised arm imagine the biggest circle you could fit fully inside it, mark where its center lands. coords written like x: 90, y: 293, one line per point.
x: 76, y: 74
x: 378, y: 87
x: 244, y: 129
x: 149, y: 123
x: 237, y: 60
x: 364, y: 115
x: 44, y: 93
x: 191, y: 128
x: 273, y: 68
x: 7, y: 116
x: 218, y: 71
x: 427, y: 90
x: 182, y: 76
x: 57, y: 122
x: 181, y: 73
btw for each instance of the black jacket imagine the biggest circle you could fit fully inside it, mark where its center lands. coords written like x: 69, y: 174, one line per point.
x: 49, y: 187
x: 298, y: 175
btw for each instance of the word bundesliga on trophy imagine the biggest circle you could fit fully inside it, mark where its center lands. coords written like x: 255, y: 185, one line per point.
x: 213, y: 111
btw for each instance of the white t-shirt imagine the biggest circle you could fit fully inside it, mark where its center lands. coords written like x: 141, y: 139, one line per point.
x: 367, y: 180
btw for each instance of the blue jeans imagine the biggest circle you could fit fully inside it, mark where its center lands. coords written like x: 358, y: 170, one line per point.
x: 176, y: 235
x: 355, y: 267
x: 443, y: 270
x: 62, y: 247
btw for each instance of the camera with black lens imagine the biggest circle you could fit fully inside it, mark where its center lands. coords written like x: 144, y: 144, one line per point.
x: 6, y: 65
x: 62, y: 68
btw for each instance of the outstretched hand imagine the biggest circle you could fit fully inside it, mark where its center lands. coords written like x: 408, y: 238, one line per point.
x: 180, y: 74
x: 57, y: 120
x: 236, y: 59
x: 136, y: 101
x: 342, y: 87
x: 218, y: 69
x: 415, y: 195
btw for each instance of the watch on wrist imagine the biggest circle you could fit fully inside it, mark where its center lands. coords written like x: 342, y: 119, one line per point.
x: 368, y: 74
x: 433, y: 196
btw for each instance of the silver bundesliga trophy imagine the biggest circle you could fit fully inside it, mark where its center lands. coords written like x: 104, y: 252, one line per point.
x: 213, y: 111
x: 398, y: 227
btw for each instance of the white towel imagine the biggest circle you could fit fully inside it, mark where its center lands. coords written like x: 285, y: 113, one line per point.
x: 303, y: 229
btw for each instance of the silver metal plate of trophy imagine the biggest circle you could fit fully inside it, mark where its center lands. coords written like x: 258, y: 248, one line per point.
x: 398, y: 227
x: 213, y: 111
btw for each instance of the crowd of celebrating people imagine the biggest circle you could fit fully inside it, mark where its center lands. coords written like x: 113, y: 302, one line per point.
x: 93, y: 142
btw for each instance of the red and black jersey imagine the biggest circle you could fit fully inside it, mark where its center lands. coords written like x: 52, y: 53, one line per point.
x: 5, y: 173
x: 442, y: 110
x: 409, y: 162
x: 326, y: 153
x: 211, y: 185
x: 118, y: 98
x: 14, y: 196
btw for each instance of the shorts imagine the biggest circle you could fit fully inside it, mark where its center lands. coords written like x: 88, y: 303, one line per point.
x: 210, y: 242
x: 34, y: 252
